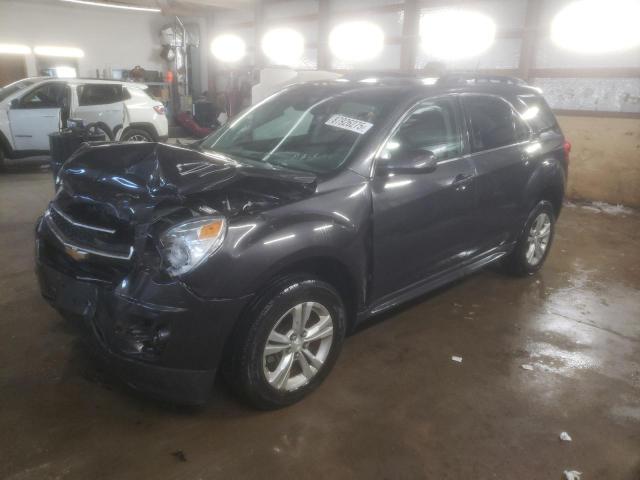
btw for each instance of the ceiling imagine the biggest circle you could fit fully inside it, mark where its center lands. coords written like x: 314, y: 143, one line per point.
x: 183, y: 7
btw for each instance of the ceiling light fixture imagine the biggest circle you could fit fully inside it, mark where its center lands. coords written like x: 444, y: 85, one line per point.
x: 14, y: 49
x: 453, y: 34
x: 597, y: 26
x: 283, y: 46
x: 113, y: 5
x: 47, y: 51
x: 228, y: 48
x: 356, y: 41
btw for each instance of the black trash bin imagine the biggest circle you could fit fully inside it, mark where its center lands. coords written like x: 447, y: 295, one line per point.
x: 62, y: 144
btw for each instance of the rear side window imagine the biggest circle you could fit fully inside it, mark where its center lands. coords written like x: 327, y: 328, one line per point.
x: 493, y: 122
x: 536, y: 112
x: 431, y: 127
x: 99, y: 94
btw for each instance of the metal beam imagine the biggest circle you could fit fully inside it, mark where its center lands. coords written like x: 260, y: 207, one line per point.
x: 529, y: 38
x: 603, y: 72
x: 410, y: 35
x: 324, y: 56
x: 258, y: 30
x: 595, y: 113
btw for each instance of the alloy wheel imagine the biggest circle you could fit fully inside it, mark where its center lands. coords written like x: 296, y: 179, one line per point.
x: 297, y: 346
x: 538, y: 239
x: 138, y: 138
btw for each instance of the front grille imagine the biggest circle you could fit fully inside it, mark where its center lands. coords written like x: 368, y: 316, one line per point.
x: 105, y: 241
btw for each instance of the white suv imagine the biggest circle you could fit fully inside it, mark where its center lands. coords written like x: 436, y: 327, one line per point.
x: 32, y: 108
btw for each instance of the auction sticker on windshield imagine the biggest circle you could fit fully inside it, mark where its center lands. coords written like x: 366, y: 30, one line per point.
x: 347, y: 123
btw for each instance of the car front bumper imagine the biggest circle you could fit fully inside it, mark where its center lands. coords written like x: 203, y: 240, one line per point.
x: 159, y: 338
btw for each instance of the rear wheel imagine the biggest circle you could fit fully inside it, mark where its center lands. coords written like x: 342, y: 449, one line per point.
x: 291, y: 343
x: 534, y: 243
x: 136, y: 135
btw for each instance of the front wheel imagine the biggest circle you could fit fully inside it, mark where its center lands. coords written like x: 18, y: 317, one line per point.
x: 291, y: 344
x: 534, y: 243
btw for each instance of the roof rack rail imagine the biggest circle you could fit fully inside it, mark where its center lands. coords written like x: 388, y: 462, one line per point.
x: 476, y: 79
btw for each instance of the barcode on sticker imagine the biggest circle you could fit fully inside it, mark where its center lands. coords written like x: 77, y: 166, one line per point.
x: 347, y: 123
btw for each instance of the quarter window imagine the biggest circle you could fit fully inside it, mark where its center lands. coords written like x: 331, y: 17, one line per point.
x: 431, y: 127
x: 493, y: 123
x: 99, y: 94
x: 536, y: 112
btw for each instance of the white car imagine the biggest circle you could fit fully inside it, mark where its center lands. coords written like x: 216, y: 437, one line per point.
x: 32, y: 108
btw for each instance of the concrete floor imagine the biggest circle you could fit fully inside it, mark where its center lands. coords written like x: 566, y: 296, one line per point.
x: 396, y: 405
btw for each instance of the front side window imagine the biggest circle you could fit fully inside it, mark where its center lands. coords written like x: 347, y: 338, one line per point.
x: 49, y: 95
x: 308, y: 128
x: 493, y: 123
x: 14, y: 87
x: 99, y: 94
x: 431, y: 127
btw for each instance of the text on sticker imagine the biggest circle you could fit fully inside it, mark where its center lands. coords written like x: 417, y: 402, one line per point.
x: 347, y: 123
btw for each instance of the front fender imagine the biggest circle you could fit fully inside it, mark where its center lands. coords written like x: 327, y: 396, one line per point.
x: 256, y: 249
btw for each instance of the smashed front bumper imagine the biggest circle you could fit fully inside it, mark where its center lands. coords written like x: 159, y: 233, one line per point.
x: 160, y: 338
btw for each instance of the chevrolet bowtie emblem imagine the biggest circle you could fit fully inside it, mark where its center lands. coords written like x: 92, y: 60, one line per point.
x: 76, y: 254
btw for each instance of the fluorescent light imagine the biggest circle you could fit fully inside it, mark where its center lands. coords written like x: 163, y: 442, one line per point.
x: 113, y: 5
x: 228, y: 48
x: 597, y: 26
x: 453, y: 34
x: 47, y: 51
x: 14, y: 49
x: 283, y: 46
x: 65, y: 72
x: 356, y: 41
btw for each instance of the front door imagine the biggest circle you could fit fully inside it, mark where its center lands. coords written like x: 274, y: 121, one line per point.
x: 423, y: 222
x: 37, y: 114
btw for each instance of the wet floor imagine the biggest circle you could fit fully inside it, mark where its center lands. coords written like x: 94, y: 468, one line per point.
x: 396, y: 405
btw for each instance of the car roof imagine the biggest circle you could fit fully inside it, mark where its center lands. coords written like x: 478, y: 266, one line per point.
x: 84, y: 81
x: 412, y: 85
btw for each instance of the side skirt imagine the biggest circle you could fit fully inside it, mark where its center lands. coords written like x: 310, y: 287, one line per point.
x: 427, y: 285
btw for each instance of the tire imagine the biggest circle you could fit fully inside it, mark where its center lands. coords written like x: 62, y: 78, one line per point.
x: 521, y: 262
x: 136, y: 135
x: 254, y: 373
x: 3, y: 163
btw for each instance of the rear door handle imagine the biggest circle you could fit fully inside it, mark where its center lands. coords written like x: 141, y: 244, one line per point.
x: 462, y: 178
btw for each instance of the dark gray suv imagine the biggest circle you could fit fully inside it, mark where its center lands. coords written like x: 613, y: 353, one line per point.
x: 255, y: 251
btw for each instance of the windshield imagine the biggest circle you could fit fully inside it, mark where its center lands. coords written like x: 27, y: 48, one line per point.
x: 12, y: 88
x: 310, y: 128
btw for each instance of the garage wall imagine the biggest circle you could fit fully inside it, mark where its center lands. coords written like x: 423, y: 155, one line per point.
x: 597, y: 96
x: 605, y: 160
x: 109, y: 39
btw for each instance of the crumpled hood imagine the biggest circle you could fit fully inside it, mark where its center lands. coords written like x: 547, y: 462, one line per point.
x: 157, y: 171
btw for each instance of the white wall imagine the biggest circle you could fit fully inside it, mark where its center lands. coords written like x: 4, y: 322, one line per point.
x: 109, y: 38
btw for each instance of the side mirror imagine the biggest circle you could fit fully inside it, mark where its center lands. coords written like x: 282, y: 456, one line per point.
x: 15, y: 103
x: 416, y: 162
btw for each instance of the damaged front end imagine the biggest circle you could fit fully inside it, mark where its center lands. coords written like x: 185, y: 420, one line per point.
x: 116, y: 245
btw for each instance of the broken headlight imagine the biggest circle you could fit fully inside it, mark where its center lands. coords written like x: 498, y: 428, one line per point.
x: 187, y: 245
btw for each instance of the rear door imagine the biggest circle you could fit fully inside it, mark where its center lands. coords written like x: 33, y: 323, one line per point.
x: 101, y: 103
x: 423, y: 222
x: 499, y: 139
x: 37, y: 115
